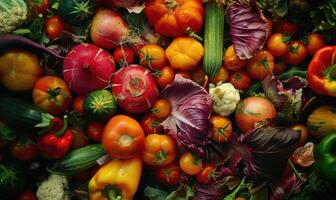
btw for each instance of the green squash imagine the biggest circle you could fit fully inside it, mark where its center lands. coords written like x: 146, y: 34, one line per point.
x: 76, y: 12
x: 100, y: 104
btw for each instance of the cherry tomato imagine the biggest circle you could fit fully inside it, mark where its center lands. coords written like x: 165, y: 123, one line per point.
x: 41, y: 6
x: 169, y: 175
x: 277, y: 44
x: 77, y: 104
x: 222, y: 75
x: 161, y: 109
x: 27, y: 195
x: 151, y: 125
x: 280, y: 65
x: 198, y: 75
x: 260, y: 65
x: 123, y: 137
x: 240, y: 80
x: 24, y: 150
x: 159, y: 150
x: 304, y: 134
x: 95, y: 130
x: 296, y: 54
x: 123, y: 55
x: 286, y: 27
x: 54, y: 26
x: 190, y: 163
x: 232, y: 61
x: 221, y: 128
x: 164, y: 76
x: 206, y: 174
x: 152, y: 56
x: 315, y: 42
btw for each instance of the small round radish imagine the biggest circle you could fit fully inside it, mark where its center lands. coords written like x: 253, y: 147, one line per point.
x: 87, y: 68
x: 135, y: 89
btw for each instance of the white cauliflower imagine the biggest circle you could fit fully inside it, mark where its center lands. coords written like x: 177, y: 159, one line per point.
x: 225, y: 98
x: 12, y: 14
x: 53, y: 188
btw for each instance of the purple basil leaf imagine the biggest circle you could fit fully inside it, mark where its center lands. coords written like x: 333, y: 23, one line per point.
x: 248, y: 28
x: 286, y: 187
x: 275, y: 93
x: 208, y: 192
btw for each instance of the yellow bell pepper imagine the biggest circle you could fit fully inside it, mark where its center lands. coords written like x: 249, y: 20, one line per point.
x: 116, y: 180
x: 184, y: 53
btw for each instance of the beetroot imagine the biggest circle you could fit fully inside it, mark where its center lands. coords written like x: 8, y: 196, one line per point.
x: 87, y: 68
x: 135, y: 89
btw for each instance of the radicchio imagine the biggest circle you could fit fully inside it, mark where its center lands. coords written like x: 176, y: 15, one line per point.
x: 248, y: 28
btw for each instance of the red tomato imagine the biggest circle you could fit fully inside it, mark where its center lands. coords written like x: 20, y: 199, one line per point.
x: 286, y: 27
x: 277, y: 44
x: 151, y: 125
x: 77, y: 104
x: 41, y: 6
x: 164, y: 76
x: 54, y: 26
x: 27, y: 195
x: 24, y: 150
x: 168, y: 175
x: 252, y: 110
x: 206, y: 174
x: 95, y: 130
x: 296, y: 54
x: 240, y: 80
x: 280, y: 65
x: 315, y: 42
x: 123, y: 55
x: 260, y: 65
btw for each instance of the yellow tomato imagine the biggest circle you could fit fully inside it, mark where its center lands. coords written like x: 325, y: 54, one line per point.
x: 19, y: 70
x: 190, y: 164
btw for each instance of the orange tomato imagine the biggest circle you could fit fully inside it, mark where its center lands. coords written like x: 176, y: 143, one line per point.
x: 77, y: 104
x: 161, y: 109
x: 221, y: 128
x: 304, y: 134
x: 164, y: 76
x: 240, y: 80
x: 260, y: 65
x: 315, y: 42
x: 52, y: 95
x: 152, y: 56
x: 232, y: 61
x: 151, y: 125
x: 222, y: 75
x: 159, y: 150
x: 190, y: 163
x: 123, y: 137
x: 171, y: 18
x: 296, y: 54
x: 277, y: 44
x: 280, y: 65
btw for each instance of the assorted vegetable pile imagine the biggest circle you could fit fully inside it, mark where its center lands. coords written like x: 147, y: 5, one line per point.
x: 167, y: 99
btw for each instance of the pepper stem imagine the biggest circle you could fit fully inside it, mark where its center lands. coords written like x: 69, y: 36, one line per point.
x: 297, y: 174
x: 330, y: 73
x: 112, y: 193
x: 64, y: 128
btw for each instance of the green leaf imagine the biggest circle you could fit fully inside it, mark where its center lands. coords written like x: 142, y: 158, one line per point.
x: 6, y: 133
x: 281, y: 7
x: 184, y: 192
x: 155, y: 194
x: 233, y: 194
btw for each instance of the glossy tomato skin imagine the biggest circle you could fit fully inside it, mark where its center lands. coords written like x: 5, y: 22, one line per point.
x: 123, y: 55
x: 27, y: 195
x: 164, y: 76
x: 252, y: 110
x: 54, y: 26
x: 159, y: 150
x: 280, y: 65
x: 240, y: 80
x: 232, y: 61
x: 221, y: 128
x: 286, y: 27
x: 222, y: 75
x: 42, y: 7
x: 260, y: 65
x: 152, y: 56
x: 161, y: 109
x: 151, y: 125
x: 52, y: 95
x: 123, y: 137
x: 296, y: 54
x: 173, y: 20
x: 315, y: 42
x: 24, y: 150
x: 78, y: 104
x: 168, y: 175
x: 206, y: 174
x: 95, y: 130
x: 190, y: 164
x: 277, y: 44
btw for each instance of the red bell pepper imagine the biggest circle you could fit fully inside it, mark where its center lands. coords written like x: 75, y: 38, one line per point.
x: 322, y: 71
x: 56, y: 145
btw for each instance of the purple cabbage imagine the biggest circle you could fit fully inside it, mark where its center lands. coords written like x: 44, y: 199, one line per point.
x: 248, y: 28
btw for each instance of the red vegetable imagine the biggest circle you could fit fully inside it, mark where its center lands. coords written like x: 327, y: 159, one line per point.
x: 88, y: 68
x: 135, y: 89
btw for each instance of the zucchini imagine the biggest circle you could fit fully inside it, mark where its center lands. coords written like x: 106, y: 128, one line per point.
x: 22, y: 115
x: 213, y: 38
x: 78, y: 160
x: 76, y: 12
x: 100, y: 104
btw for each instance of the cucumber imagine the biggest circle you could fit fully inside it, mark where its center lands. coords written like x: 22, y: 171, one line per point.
x: 76, y: 12
x: 78, y: 160
x: 213, y: 38
x: 100, y: 104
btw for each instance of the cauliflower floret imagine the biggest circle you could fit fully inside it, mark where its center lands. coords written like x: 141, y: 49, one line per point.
x: 53, y: 188
x: 225, y: 98
x: 12, y: 14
